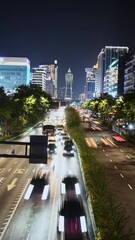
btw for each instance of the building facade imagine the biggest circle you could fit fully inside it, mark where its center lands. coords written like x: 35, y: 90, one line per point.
x: 129, y: 78
x: 91, y: 76
x: 105, y: 58
x: 46, y: 77
x: 39, y: 77
x: 111, y: 79
x: 100, y: 61
x: 14, y: 71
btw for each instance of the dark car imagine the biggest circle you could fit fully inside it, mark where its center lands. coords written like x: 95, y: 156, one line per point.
x: 68, y: 142
x: 39, y: 186
x: 68, y: 151
x: 72, y: 220
x: 64, y: 138
x: 70, y: 187
x: 51, y: 147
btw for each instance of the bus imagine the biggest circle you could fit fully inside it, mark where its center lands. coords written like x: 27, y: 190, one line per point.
x: 48, y: 129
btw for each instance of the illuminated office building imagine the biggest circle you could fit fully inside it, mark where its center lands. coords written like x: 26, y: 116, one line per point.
x: 100, y: 73
x: 111, y: 79
x: 45, y: 76
x: 14, y: 71
x: 129, y: 78
x: 105, y: 58
x: 90, y: 83
x: 95, y: 74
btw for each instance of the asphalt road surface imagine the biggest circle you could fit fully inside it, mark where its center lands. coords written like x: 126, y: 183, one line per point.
x: 34, y: 219
x: 119, y: 159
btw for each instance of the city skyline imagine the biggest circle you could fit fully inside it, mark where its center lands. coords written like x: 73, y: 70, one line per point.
x: 72, y: 34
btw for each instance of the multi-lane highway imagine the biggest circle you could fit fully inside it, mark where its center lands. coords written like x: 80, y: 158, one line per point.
x: 119, y: 159
x: 34, y: 219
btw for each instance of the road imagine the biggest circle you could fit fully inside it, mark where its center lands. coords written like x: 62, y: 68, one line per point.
x: 119, y: 159
x: 34, y: 219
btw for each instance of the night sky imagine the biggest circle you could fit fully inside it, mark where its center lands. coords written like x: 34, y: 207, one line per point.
x: 72, y: 33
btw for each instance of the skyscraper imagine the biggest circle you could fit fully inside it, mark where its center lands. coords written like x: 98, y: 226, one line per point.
x: 90, y: 83
x: 69, y: 81
x: 46, y: 77
x: 14, y: 71
x: 39, y: 77
x: 105, y: 59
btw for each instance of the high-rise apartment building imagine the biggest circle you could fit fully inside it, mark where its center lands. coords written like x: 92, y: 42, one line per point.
x: 39, y: 77
x: 105, y: 58
x: 46, y: 77
x: 14, y: 71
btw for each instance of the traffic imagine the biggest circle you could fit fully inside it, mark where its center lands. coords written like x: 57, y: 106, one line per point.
x: 47, y: 189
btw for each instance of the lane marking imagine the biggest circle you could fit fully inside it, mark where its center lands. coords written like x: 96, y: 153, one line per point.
x: 2, y: 169
x: 110, y: 160
x: 109, y: 140
x: 115, y: 167
x: 104, y: 141
x: 130, y: 186
x: 11, y: 215
x: 128, y: 156
x: 12, y: 184
x: 121, y: 175
x: 21, y: 171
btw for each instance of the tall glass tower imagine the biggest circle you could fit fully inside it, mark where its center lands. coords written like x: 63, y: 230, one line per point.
x: 69, y: 82
x: 105, y: 58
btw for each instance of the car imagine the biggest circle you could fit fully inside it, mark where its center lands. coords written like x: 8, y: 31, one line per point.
x: 72, y: 220
x: 51, y: 144
x: 63, y: 134
x: 51, y: 147
x: 68, y: 151
x: 68, y: 142
x: 39, y: 185
x: 64, y: 138
x: 70, y: 187
x: 51, y: 139
x: 59, y: 128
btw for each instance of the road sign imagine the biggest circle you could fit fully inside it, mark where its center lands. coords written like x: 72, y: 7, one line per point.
x: 38, y: 149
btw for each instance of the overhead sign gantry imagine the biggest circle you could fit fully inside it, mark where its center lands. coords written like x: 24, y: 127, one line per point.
x: 37, y: 152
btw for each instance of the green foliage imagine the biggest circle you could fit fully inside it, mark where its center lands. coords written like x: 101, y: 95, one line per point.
x: 120, y: 108
x: 72, y: 118
x: 24, y: 109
